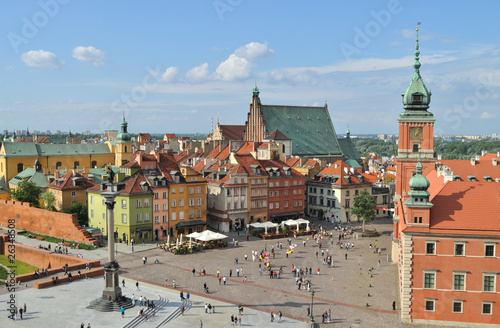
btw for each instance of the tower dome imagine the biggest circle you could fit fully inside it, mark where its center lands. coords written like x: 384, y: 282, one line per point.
x: 123, y: 136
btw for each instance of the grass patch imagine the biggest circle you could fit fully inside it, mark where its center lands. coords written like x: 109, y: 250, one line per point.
x: 3, y: 273
x: 22, y: 267
x: 56, y: 240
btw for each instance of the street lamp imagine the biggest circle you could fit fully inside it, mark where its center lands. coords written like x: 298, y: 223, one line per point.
x: 312, y: 304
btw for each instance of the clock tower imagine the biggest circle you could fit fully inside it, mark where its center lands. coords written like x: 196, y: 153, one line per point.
x: 416, y: 135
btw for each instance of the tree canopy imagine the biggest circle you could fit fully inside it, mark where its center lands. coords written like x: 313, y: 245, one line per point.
x: 82, y: 212
x: 49, y: 199
x: 364, y: 207
x: 26, y: 192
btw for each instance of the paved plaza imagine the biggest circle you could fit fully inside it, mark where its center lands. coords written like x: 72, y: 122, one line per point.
x: 345, y: 289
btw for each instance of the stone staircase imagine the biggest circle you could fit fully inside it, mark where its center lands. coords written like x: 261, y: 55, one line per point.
x: 187, y: 305
x: 103, y: 305
x: 160, y: 304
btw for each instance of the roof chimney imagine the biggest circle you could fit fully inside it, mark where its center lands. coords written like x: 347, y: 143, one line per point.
x: 56, y: 175
x: 473, y: 161
x: 494, y: 161
x: 484, y: 152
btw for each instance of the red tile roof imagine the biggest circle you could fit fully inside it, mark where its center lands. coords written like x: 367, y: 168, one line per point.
x: 277, y: 135
x: 464, y: 168
x: 293, y: 161
x: 233, y: 132
x: 464, y: 205
x: 68, y: 182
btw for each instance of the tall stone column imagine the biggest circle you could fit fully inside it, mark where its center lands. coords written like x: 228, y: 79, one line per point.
x: 111, y: 268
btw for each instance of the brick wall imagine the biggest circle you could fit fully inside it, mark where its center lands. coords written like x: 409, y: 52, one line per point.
x: 45, y: 222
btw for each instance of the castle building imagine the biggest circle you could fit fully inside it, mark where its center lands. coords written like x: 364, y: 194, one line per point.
x: 446, y: 227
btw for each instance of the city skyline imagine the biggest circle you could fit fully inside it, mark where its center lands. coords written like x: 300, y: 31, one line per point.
x: 174, y: 67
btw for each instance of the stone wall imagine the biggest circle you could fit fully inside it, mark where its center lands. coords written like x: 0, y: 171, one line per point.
x: 60, y: 225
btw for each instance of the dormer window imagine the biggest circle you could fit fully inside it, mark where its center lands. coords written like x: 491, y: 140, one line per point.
x: 416, y: 98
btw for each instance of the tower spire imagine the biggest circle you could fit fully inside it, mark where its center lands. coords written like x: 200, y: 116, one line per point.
x: 416, y: 65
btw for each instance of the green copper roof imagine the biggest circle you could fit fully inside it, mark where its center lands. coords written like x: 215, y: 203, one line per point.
x: 418, y: 194
x: 123, y: 136
x: 37, y: 178
x: 349, y: 151
x: 416, y: 97
x: 30, y: 149
x: 310, y: 128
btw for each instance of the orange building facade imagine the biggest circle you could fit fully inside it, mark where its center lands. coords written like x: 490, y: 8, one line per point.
x: 446, y: 226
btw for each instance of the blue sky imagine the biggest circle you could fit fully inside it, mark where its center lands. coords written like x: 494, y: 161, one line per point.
x: 172, y: 66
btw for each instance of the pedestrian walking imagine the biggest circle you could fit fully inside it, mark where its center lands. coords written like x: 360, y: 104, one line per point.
x: 394, y: 306
x: 123, y: 283
x: 182, y: 309
x: 201, y: 324
x: 122, y: 311
x: 224, y: 280
x: 279, y: 317
x: 346, y: 256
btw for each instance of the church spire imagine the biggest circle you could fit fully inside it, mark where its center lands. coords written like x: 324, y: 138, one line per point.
x: 416, y: 97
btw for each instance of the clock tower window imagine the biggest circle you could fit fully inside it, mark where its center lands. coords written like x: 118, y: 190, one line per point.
x: 416, y: 146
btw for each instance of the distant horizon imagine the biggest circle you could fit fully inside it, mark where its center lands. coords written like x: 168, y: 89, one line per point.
x: 175, y: 66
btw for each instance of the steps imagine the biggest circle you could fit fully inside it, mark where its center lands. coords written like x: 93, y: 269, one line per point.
x: 187, y: 305
x: 103, y: 305
x: 161, y: 303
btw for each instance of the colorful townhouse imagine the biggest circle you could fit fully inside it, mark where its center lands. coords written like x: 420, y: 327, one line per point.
x: 69, y: 189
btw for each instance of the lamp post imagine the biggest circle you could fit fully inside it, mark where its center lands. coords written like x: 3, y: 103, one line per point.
x: 312, y: 305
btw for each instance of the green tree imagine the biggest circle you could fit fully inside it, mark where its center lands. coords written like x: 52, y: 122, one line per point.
x: 82, y: 213
x: 364, y: 207
x: 26, y: 192
x: 49, y: 199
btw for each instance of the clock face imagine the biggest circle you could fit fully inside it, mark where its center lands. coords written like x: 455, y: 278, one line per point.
x: 416, y: 133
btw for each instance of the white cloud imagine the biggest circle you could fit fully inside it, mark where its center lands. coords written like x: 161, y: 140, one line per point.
x: 234, y: 68
x: 486, y: 116
x: 170, y: 74
x: 90, y: 55
x: 254, y: 50
x: 198, y: 73
x: 41, y: 58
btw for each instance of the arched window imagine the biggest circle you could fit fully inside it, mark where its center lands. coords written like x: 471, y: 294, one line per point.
x: 20, y: 167
x: 58, y: 165
x: 94, y: 164
x: 76, y: 165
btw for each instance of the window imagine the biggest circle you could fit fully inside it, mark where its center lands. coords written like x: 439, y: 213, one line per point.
x: 191, y: 191
x: 174, y: 216
x: 487, y: 307
x: 76, y: 164
x: 191, y: 214
x: 124, y: 218
x: 459, y: 249
x: 146, y: 202
x: 124, y: 203
x: 92, y: 213
x: 58, y: 165
x: 300, y: 203
x: 430, y: 280
x: 174, y: 203
x: 139, y: 217
x: 264, y: 203
x: 286, y: 204
x: 458, y: 281
x: 253, y: 204
x: 181, y: 202
x: 164, y: 195
x: 138, y: 203
x: 277, y: 193
x: 271, y: 184
x: 91, y: 199
x: 181, y: 190
x: 271, y: 194
x: 429, y: 305
x: 157, y: 195
x: 103, y: 216
x: 489, y: 282
x: 242, y: 191
x: 242, y: 205
x: 146, y: 217
x: 181, y: 215
x: 235, y: 191
x: 157, y: 219
x: 347, y: 193
x: 295, y: 191
x: 173, y: 191
x: 191, y: 201
x: 235, y: 205
x: 271, y: 206
x: 157, y: 207
x: 458, y: 306
x: 73, y: 194
x: 286, y: 183
x: 277, y: 184
x: 198, y: 190
x: 347, y: 203
x: 415, y: 147
x: 286, y: 193
x: 198, y: 214
x: 165, y: 219
x: 430, y: 247
x: 300, y: 191
x: 228, y: 206
x: 489, y: 250
x: 165, y: 207
x: 277, y: 205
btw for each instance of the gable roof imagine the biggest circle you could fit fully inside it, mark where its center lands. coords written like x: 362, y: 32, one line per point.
x: 310, y: 128
x: 232, y: 132
x: 69, y: 182
x: 464, y: 168
x: 348, y: 150
x: 277, y: 135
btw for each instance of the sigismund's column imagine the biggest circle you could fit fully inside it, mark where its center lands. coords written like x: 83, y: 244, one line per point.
x: 111, y: 268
